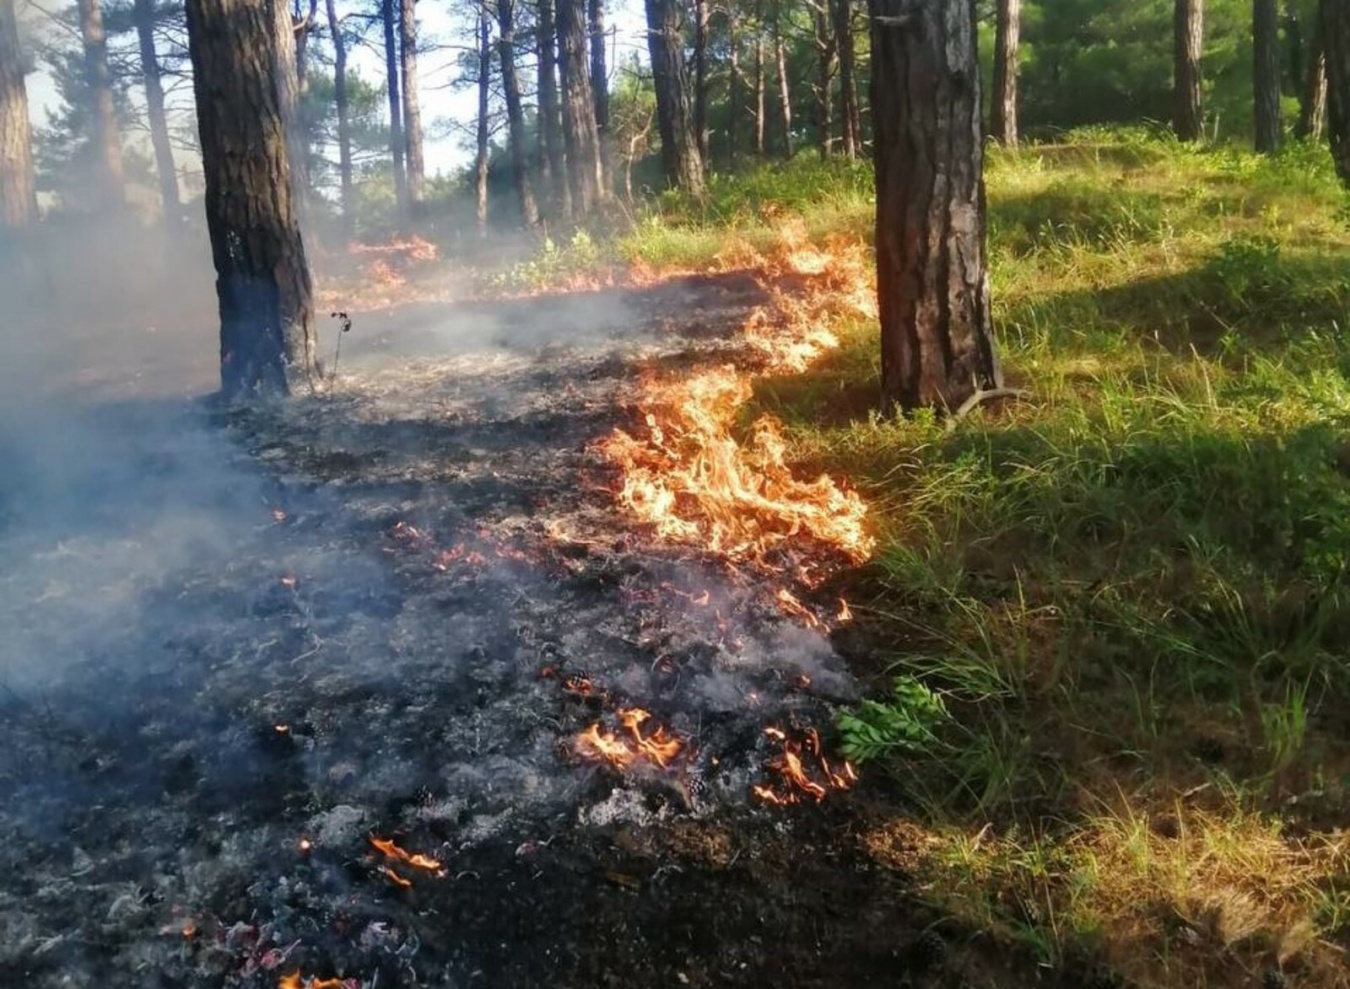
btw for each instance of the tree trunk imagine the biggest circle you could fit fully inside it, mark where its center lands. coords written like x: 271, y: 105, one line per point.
x: 820, y: 19
x: 937, y: 345
x: 515, y: 115
x: 759, y: 87
x: 1188, y: 37
x: 412, y: 110
x: 701, y: 76
x: 484, y: 78
x: 303, y: 27
x: 18, y: 181
x: 600, y: 89
x: 389, y: 14
x: 109, y: 179
x: 1335, y: 30
x: 1312, y: 109
x: 263, y: 284
x: 674, y: 117
x: 578, y: 109
x: 552, y: 158
x: 850, y: 115
x: 1293, y: 39
x: 1003, y: 106
x: 1266, y: 76
x: 288, y: 101
x: 143, y: 12
x: 344, y: 121
x: 733, y: 86
x: 784, y: 92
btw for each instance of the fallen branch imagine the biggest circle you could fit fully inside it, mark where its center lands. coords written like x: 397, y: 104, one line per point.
x: 982, y: 396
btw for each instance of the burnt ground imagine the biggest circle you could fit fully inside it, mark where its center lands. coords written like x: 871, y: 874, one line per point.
x: 240, y: 644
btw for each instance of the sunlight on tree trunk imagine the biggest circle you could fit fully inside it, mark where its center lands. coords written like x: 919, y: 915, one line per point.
x: 412, y: 110
x: 108, y: 174
x: 1188, y: 37
x: 1312, y: 104
x: 825, y: 53
x: 850, y: 115
x: 784, y: 90
x: 18, y: 180
x: 1003, y: 105
x: 937, y: 345
x: 578, y: 109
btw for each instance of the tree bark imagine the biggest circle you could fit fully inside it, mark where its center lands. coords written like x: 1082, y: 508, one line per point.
x: 389, y: 14
x: 143, y: 12
x: 1335, y: 30
x: 784, y: 91
x: 733, y: 86
x: 412, y: 110
x: 759, y: 85
x: 850, y: 115
x: 515, y: 115
x: 344, y: 121
x: 1266, y: 75
x: 1003, y: 106
x: 263, y: 283
x: 553, y: 156
x: 674, y: 116
x: 484, y: 78
x: 1312, y: 108
x: 824, y: 38
x: 937, y: 346
x: 109, y: 179
x: 701, y: 76
x: 584, y: 171
x: 1188, y: 38
x: 288, y: 98
x: 303, y: 27
x: 600, y: 89
x: 18, y: 180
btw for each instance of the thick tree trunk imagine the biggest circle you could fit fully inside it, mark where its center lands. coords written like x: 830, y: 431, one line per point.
x: 344, y: 119
x: 1003, y: 106
x: 412, y: 110
x: 1335, y: 30
x: 552, y: 157
x: 484, y: 79
x: 701, y: 76
x: 674, y: 116
x: 18, y: 182
x: 820, y: 19
x: 1266, y: 74
x: 850, y: 115
x: 600, y: 89
x: 1188, y: 38
x: 784, y: 91
x: 733, y: 86
x: 1312, y: 105
x: 515, y: 115
x: 109, y: 180
x: 143, y: 12
x: 288, y: 99
x: 263, y: 284
x: 584, y: 170
x: 390, y: 11
x: 937, y: 345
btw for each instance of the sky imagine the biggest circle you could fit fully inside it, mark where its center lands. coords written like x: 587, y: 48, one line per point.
x: 439, y: 24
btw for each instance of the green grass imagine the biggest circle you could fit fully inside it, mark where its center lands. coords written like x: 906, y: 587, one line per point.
x: 1108, y: 628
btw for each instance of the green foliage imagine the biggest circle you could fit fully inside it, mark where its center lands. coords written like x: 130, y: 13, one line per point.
x: 906, y: 721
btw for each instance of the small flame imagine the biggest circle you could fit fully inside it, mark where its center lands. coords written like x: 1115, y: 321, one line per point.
x: 397, y: 854
x: 845, y: 612
x: 189, y: 929
x: 278, y: 515
x: 397, y: 879
x: 306, y: 845
x: 790, y: 605
x: 658, y: 747
x: 791, y: 767
x: 297, y: 981
x: 288, y: 582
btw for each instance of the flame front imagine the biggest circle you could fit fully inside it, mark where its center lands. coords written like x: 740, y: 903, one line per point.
x: 795, y: 780
x: 658, y: 747
x: 397, y: 854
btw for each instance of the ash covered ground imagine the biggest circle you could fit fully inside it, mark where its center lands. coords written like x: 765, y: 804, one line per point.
x: 240, y: 645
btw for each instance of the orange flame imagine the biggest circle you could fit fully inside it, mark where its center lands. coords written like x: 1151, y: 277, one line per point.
x: 793, y: 775
x: 392, y: 851
x: 657, y: 747
x: 845, y: 613
x: 296, y: 981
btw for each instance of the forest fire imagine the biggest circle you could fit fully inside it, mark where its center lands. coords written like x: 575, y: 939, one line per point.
x: 689, y: 475
x: 399, y: 856
x: 620, y: 752
x: 794, y: 781
x: 297, y: 981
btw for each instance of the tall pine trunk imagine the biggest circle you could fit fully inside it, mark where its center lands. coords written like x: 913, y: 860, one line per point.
x: 824, y: 37
x: 1188, y: 38
x: 390, y: 11
x: 850, y: 114
x: 484, y: 80
x: 759, y: 85
x: 412, y: 109
x: 553, y: 156
x: 18, y: 181
x: 701, y: 76
x: 1335, y: 30
x: 1003, y: 106
x: 674, y: 116
x: 937, y: 346
x: 143, y: 13
x: 733, y: 86
x: 1312, y: 104
x: 600, y: 88
x: 289, y: 103
x: 515, y: 115
x: 344, y: 118
x: 263, y: 283
x: 784, y: 90
x: 584, y: 171
x: 109, y: 182
x: 1266, y: 74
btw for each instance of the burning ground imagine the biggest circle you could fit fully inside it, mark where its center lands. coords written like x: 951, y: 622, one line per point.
x: 447, y: 674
